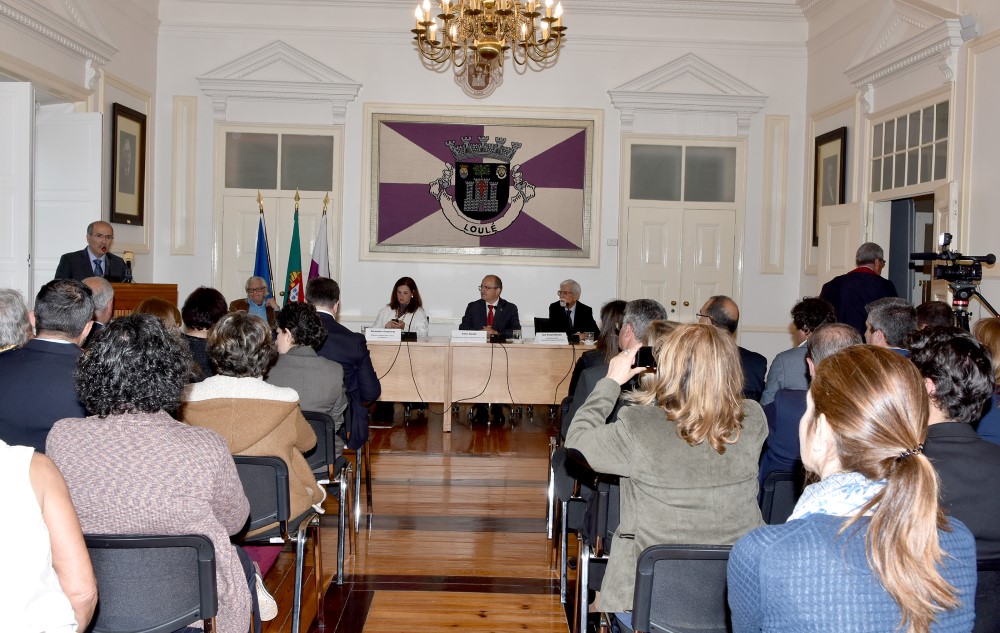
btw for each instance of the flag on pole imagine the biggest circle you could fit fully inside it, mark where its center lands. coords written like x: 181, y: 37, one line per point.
x: 294, y: 290
x: 320, y: 265
x: 262, y: 261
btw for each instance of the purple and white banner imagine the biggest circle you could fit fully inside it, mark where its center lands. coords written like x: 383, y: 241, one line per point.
x: 481, y: 186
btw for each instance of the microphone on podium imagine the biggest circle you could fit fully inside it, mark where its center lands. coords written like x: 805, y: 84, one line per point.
x: 129, y: 258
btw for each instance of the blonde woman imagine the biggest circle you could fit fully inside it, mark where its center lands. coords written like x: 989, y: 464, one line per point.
x: 686, y: 450
x: 867, y: 548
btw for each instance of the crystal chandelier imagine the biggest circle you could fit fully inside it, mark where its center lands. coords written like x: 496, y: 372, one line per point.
x: 482, y: 31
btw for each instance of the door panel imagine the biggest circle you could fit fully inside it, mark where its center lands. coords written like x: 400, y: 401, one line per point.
x: 16, y: 121
x: 709, y: 242
x: 839, y: 238
x: 653, y: 253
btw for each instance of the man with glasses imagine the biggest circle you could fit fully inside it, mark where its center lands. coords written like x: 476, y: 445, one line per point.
x: 96, y: 260
x: 851, y: 292
x: 490, y: 312
x: 256, y: 302
x: 568, y: 314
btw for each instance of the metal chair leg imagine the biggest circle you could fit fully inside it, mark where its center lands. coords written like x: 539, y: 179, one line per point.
x: 341, y: 524
x: 300, y: 552
x: 368, y: 482
x: 318, y: 570
x: 359, y: 460
x: 582, y: 578
x: 563, y: 545
x: 550, y: 494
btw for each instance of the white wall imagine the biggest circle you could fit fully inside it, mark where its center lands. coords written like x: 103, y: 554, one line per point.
x: 371, y: 45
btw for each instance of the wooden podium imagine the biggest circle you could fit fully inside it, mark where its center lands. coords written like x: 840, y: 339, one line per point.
x: 128, y: 296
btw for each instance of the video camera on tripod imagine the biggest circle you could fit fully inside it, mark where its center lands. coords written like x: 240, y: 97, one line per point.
x: 963, y: 273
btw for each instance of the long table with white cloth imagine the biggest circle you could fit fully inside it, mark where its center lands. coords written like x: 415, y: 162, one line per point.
x: 439, y: 370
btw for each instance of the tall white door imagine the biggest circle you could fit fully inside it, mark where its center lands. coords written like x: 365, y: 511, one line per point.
x: 679, y: 256
x: 839, y: 237
x: 67, y: 188
x: 240, y: 219
x: 16, y: 117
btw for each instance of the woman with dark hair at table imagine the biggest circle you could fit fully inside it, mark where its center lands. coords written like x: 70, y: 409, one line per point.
x: 405, y: 310
x: 686, y: 451
x: 867, y: 549
x: 201, y: 310
x: 318, y: 381
x: 132, y: 468
x: 254, y: 417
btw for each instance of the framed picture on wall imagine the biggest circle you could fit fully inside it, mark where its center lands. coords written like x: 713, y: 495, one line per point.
x: 829, y: 174
x: 128, y: 165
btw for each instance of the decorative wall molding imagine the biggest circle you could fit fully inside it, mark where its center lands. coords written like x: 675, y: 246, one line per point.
x: 183, y: 180
x: 67, y: 24
x: 774, y: 203
x: 688, y: 84
x: 905, y: 38
x: 279, y: 72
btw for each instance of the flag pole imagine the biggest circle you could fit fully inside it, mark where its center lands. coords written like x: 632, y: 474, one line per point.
x: 267, y: 247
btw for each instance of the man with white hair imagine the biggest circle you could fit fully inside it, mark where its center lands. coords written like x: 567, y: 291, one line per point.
x: 568, y: 314
x: 257, y: 302
x: 104, y: 304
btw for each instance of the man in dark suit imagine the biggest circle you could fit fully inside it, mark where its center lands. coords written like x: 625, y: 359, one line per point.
x: 851, y: 292
x: 351, y: 351
x: 786, y: 409
x: 255, y: 303
x: 94, y: 261
x: 723, y: 313
x: 960, y: 376
x: 36, y: 381
x: 490, y: 312
x: 568, y: 314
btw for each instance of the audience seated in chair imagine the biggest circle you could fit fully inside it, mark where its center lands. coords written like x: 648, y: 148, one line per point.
x: 723, y: 313
x: 788, y: 369
x: 606, y: 344
x: 687, y: 451
x: 255, y: 418
x: 133, y: 469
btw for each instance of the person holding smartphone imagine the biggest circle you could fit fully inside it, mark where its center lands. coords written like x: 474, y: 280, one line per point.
x: 405, y: 309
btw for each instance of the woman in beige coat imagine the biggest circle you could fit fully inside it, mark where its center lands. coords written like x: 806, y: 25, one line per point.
x: 255, y: 418
x: 686, y: 451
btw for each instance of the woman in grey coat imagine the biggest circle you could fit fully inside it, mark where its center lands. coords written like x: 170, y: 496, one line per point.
x: 686, y: 452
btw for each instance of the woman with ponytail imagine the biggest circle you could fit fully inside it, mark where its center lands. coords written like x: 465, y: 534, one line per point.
x: 867, y: 548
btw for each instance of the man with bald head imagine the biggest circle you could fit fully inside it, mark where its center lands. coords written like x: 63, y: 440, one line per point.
x: 723, y: 313
x: 96, y: 260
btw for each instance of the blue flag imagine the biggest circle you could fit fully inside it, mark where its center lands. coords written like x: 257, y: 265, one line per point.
x: 262, y: 263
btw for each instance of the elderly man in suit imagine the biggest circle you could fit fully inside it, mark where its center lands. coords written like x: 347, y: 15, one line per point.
x: 36, y: 381
x: 351, y: 351
x: 104, y: 304
x: 851, y: 292
x: 96, y: 260
x: 723, y: 313
x: 958, y: 373
x: 257, y: 301
x: 490, y: 312
x: 568, y: 314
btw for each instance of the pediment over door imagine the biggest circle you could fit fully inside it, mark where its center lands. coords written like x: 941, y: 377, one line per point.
x: 278, y: 72
x: 689, y: 84
x: 904, y: 37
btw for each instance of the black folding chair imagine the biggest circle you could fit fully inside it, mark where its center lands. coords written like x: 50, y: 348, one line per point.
x: 987, y: 596
x: 681, y: 589
x: 779, y: 494
x: 153, y: 584
x: 265, y: 483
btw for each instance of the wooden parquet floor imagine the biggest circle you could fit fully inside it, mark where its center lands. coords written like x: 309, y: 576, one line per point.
x: 456, y: 543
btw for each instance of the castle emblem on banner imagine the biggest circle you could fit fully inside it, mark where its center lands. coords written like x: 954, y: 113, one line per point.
x: 482, y: 204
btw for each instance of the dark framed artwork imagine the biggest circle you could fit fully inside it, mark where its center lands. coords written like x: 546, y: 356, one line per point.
x: 128, y: 165
x: 829, y: 174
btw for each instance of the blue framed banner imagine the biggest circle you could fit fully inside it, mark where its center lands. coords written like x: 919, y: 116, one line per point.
x: 478, y: 185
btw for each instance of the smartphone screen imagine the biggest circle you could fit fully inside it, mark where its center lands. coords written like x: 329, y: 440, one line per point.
x: 645, y: 358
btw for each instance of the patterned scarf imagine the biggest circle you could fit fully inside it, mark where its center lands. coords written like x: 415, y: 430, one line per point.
x: 841, y: 494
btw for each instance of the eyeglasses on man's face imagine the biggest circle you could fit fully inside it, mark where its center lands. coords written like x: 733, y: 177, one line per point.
x: 489, y: 287
x: 564, y: 293
x: 256, y: 290
x: 704, y: 316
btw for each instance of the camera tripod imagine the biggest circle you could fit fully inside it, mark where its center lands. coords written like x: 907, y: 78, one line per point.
x: 961, y: 292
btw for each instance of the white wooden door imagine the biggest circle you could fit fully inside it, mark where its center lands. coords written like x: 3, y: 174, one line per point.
x: 240, y: 218
x: 16, y: 124
x: 67, y: 188
x: 679, y: 257
x: 840, y: 236
x: 945, y: 221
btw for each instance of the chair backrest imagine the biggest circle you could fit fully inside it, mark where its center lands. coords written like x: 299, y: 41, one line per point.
x: 779, y: 495
x: 265, y: 483
x: 152, y: 584
x: 681, y: 588
x: 324, y: 454
x: 987, y: 596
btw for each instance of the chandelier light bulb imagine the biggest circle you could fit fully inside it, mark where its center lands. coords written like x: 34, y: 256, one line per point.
x: 559, y: 10
x: 417, y: 14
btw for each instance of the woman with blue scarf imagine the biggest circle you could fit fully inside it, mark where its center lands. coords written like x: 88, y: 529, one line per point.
x: 867, y: 548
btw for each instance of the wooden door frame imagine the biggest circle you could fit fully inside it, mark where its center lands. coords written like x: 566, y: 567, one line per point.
x: 739, y: 203
x: 334, y: 213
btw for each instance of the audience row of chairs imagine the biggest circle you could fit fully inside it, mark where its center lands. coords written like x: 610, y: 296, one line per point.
x: 158, y: 584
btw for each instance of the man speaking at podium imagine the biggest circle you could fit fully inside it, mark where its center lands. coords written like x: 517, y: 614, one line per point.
x: 96, y: 260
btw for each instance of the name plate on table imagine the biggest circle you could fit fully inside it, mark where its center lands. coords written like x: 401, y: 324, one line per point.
x: 468, y: 336
x: 552, y: 338
x: 383, y: 334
